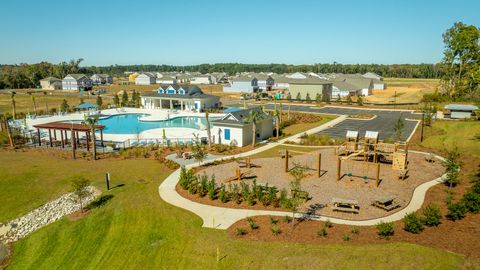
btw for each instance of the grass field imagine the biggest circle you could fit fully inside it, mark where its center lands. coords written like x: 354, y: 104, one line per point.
x: 136, y: 229
x: 403, y: 90
x: 449, y: 134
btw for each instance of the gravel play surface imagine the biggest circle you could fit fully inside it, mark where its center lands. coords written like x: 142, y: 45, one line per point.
x: 323, y: 189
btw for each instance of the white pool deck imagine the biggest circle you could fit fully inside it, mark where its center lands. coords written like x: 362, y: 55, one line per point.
x: 153, y: 115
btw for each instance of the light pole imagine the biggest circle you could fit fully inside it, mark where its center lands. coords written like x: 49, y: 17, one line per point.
x: 423, y: 121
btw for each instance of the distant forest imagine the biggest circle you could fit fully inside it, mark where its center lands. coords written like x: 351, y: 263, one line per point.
x: 28, y: 75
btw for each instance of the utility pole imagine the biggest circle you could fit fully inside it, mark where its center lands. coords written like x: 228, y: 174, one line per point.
x: 394, y: 99
x: 423, y: 120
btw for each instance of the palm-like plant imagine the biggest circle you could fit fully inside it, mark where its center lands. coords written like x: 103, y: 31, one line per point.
x: 46, y: 101
x: 276, y: 113
x: 12, y: 96
x: 34, y: 103
x: 208, y: 129
x: 91, y: 122
x: 254, y: 117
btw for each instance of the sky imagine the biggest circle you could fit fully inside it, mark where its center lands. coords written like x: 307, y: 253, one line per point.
x: 189, y: 32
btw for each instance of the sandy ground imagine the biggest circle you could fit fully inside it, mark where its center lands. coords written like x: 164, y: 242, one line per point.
x: 323, y: 189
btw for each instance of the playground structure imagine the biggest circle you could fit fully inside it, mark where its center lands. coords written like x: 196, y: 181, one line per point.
x: 286, y: 155
x: 373, y: 152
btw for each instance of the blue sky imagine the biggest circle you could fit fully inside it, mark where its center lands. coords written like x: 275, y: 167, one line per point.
x: 194, y: 32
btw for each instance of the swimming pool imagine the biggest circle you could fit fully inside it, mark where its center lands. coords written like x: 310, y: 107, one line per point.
x: 130, y: 123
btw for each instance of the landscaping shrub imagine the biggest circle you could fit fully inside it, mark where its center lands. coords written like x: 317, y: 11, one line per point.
x: 222, y: 194
x: 346, y: 237
x: 284, y: 201
x: 202, y: 188
x: 253, y: 225
x: 471, y: 200
x: 234, y: 193
x: 276, y: 230
x: 194, y: 186
x: 355, y: 230
x: 287, y: 219
x: 412, y: 223
x: 328, y: 224
x: 273, y: 220
x: 322, y: 232
x: 241, y: 231
x: 385, y: 229
x: 432, y: 215
x: 211, y: 188
x: 456, y: 211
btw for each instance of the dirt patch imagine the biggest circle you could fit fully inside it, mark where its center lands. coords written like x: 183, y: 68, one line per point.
x: 78, y: 215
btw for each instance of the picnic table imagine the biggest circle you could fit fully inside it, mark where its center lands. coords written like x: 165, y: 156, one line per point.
x: 345, y: 205
x: 386, y: 203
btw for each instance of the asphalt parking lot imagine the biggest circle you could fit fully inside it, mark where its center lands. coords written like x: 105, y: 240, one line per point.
x: 384, y: 121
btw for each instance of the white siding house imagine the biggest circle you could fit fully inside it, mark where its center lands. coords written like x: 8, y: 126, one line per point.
x: 145, y: 79
x: 181, y: 97
x: 204, y: 79
x: 235, y: 129
x: 101, y: 79
x: 76, y: 82
x: 243, y: 85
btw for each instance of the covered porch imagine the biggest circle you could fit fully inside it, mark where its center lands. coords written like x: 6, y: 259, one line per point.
x: 172, y: 103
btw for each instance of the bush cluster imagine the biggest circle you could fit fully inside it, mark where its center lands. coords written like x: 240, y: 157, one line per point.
x: 413, y: 223
x: 470, y: 202
x: 251, y: 195
x: 385, y: 229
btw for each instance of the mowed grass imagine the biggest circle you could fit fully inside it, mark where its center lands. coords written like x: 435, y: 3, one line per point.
x: 446, y: 135
x: 137, y: 230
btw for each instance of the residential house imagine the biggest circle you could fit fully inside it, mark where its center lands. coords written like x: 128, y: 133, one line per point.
x: 460, y: 111
x: 101, y: 79
x: 76, y: 82
x: 308, y: 88
x: 145, y: 78
x: 132, y: 77
x: 378, y: 82
x: 166, y: 79
x: 204, y: 79
x: 280, y: 82
x: 51, y: 83
x: 265, y: 82
x: 236, y: 128
x: 182, y: 97
x: 243, y: 84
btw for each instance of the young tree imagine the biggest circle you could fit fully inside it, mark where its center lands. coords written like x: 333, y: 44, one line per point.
x: 254, y: 117
x: 295, y: 201
x: 307, y: 97
x: 124, y: 99
x: 99, y: 101
x: 289, y: 97
x: 349, y: 99
x: 64, y: 107
x: 91, y: 122
x: 318, y: 98
x: 209, y: 135
x: 198, y: 151
x: 398, y: 128
x: 452, y: 166
x: 80, y: 189
x: 359, y: 101
x: 116, y: 100
x: 299, y: 97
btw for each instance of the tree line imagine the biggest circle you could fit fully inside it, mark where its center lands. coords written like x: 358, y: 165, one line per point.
x: 29, y: 75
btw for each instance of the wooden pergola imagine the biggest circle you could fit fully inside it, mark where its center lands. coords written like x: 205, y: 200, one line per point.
x: 64, y: 128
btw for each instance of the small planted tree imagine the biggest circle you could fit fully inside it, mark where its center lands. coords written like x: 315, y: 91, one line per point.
x: 81, y: 190
x: 298, y: 97
x: 307, y: 97
x: 359, y: 101
x: 398, y: 128
x: 432, y: 215
x: 295, y: 201
x: 452, y: 166
x: 116, y: 100
x: 412, y: 223
x: 456, y: 211
x: 124, y: 99
x: 318, y: 98
x: 349, y: 99
x: 64, y: 107
x: 198, y: 151
x: 99, y: 101
x: 289, y: 97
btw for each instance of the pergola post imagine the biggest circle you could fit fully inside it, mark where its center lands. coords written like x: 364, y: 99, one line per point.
x: 171, y: 104
x: 378, y: 174
x: 101, y: 137
x: 38, y: 134
x: 319, y: 164
x: 55, y: 134
x: 61, y: 137
x: 161, y: 101
x: 339, y: 168
x: 286, y: 160
x: 50, y: 137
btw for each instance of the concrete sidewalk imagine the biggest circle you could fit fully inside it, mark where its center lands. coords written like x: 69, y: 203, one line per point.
x: 222, y: 218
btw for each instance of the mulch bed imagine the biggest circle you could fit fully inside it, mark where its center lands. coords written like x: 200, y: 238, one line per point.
x: 78, y: 215
x: 445, y: 236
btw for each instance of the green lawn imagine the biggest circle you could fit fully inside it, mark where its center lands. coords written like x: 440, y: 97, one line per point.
x: 448, y: 134
x: 137, y: 230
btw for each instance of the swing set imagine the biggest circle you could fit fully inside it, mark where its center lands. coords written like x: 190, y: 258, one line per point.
x: 287, y: 156
x: 353, y: 172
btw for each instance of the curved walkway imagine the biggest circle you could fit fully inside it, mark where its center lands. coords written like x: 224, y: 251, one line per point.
x: 222, y: 218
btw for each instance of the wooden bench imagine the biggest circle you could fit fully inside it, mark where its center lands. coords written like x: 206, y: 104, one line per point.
x: 345, y: 205
x: 282, y: 154
x: 386, y: 203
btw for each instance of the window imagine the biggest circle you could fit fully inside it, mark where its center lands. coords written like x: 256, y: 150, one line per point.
x: 226, y: 133
x: 171, y: 91
x: 181, y: 92
x: 161, y: 91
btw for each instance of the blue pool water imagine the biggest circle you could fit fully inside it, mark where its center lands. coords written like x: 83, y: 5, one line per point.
x: 129, y: 123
